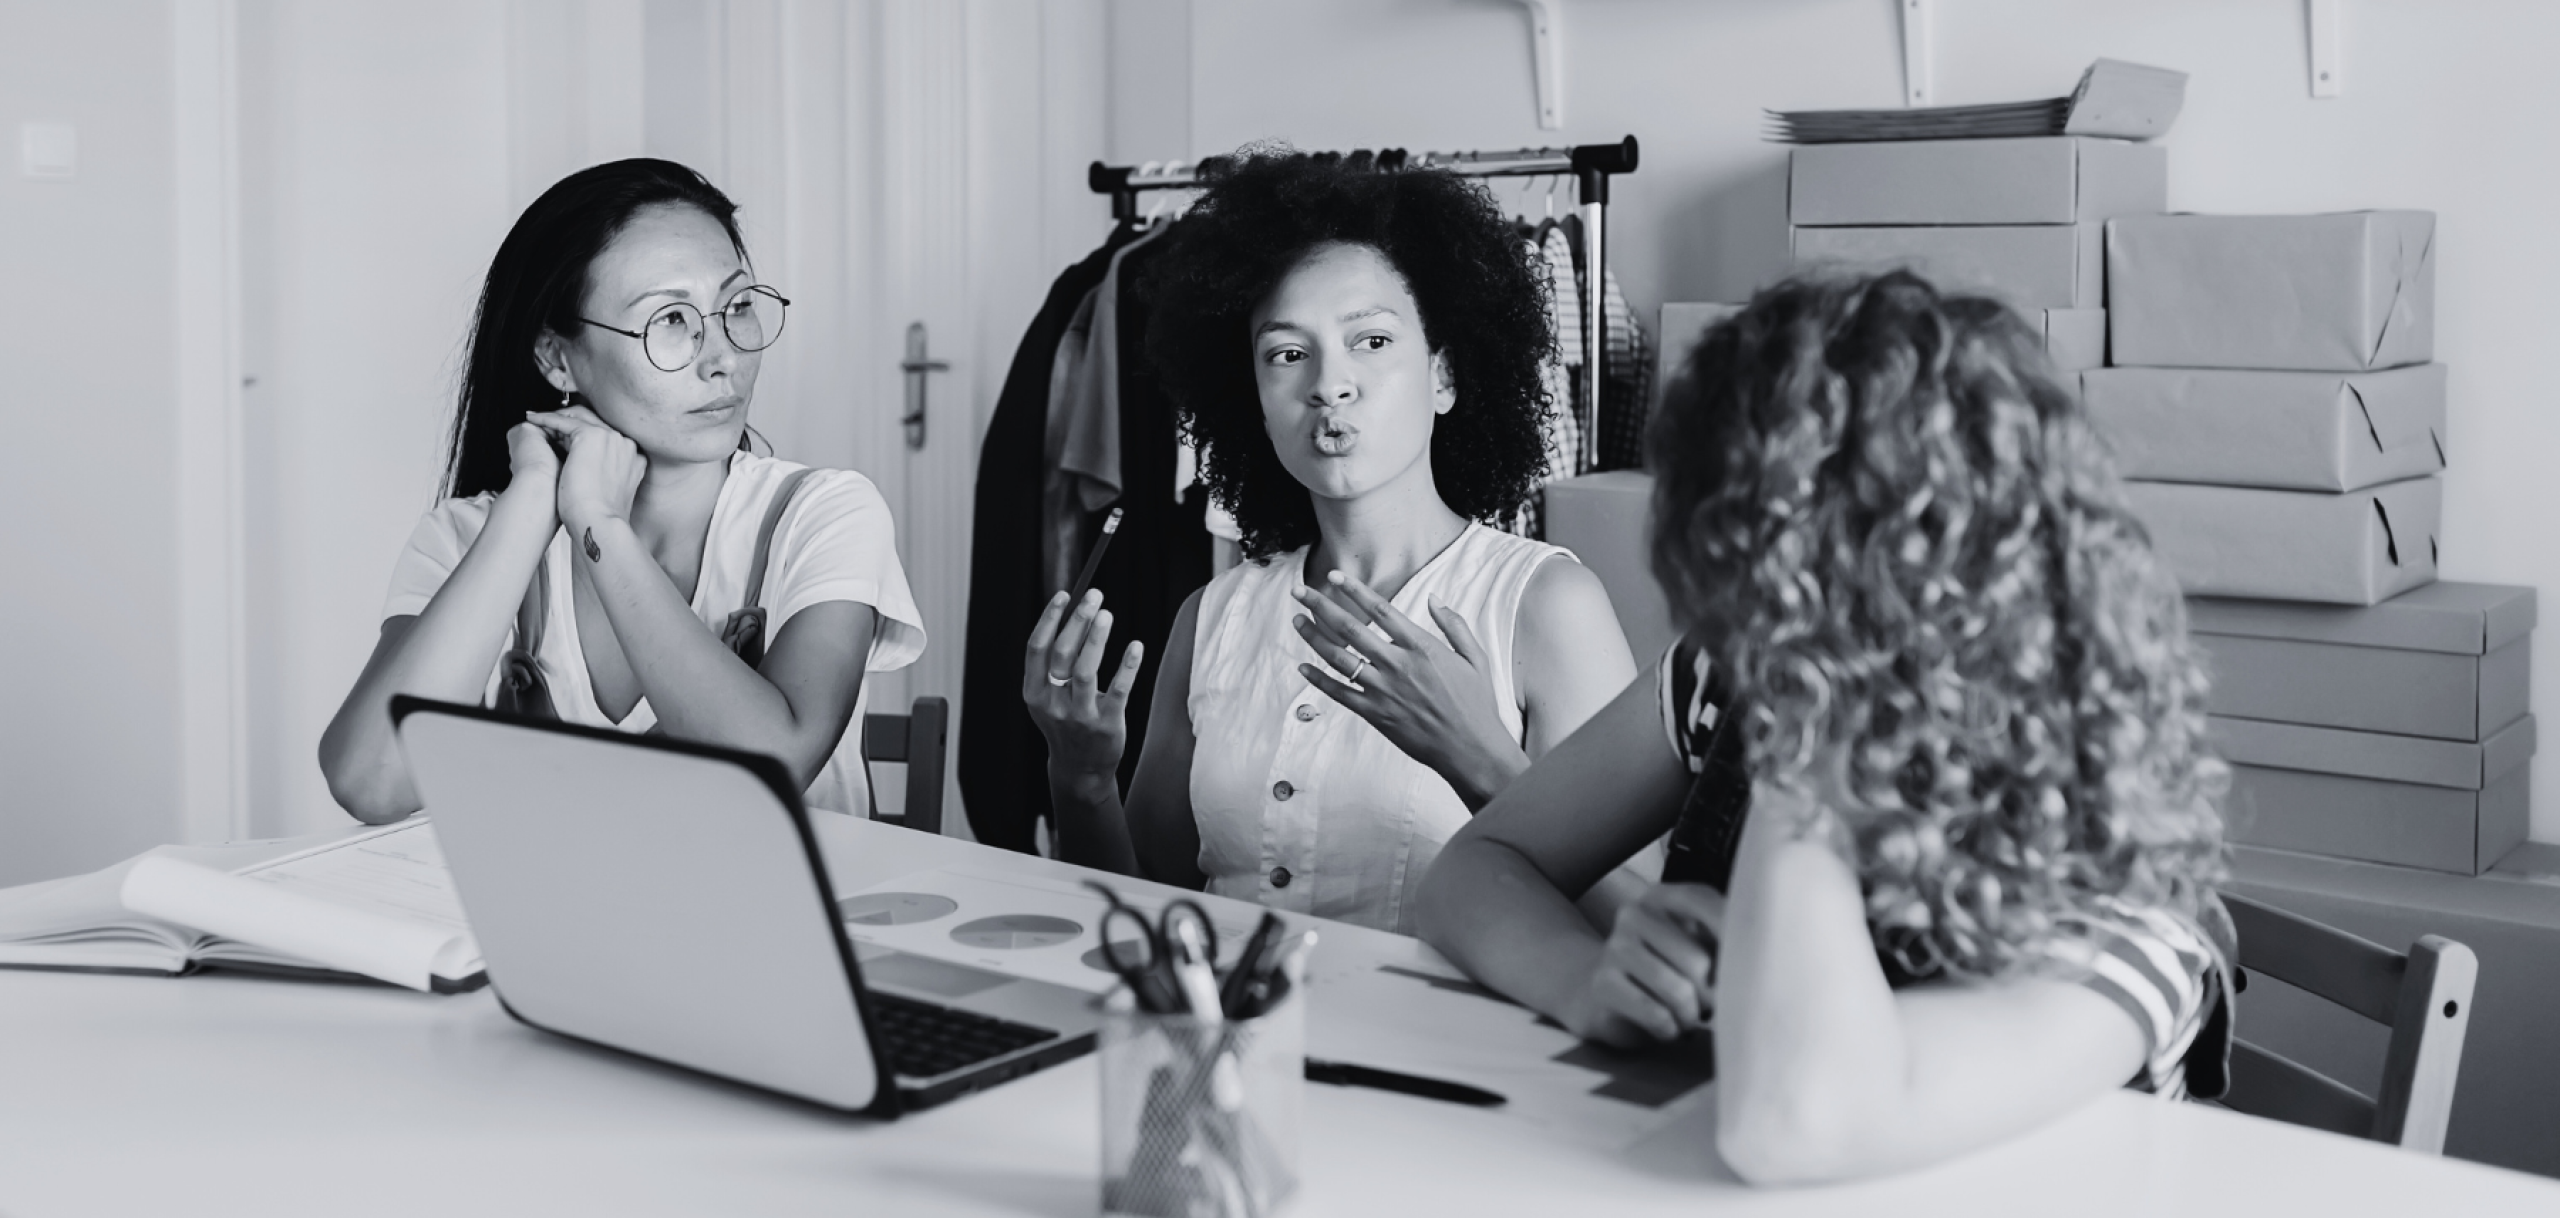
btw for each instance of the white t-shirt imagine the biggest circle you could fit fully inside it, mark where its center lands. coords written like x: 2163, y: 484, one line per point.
x: 835, y: 542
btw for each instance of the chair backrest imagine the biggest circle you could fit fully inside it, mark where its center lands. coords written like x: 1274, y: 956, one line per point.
x: 917, y: 739
x: 2424, y: 997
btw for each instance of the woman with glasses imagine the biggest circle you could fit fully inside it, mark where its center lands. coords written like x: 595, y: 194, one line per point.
x: 608, y: 552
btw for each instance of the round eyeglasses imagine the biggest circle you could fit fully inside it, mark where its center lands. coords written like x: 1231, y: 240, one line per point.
x: 672, y: 336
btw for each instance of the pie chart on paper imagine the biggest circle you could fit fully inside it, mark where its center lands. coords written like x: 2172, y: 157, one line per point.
x: 894, y: 908
x: 1015, y: 932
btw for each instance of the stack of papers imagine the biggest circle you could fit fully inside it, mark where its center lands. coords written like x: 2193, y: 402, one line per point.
x: 2122, y: 100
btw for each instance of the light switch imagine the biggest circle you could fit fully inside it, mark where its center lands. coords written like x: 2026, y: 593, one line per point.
x: 48, y: 150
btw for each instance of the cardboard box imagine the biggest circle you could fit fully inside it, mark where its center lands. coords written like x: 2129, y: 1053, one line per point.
x: 2075, y: 339
x: 2032, y: 266
x: 1681, y: 325
x: 2337, y: 293
x: 2349, y: 549
x: 2310, y: 431
x: 2384, y: 799
x: 2403, y: 824
x: 2060, y: 179
x: 2370, y: 689
x: 2328, y: 750
x: 1606, y: 520
x: 2449, y: 616
x: 2450, y: 660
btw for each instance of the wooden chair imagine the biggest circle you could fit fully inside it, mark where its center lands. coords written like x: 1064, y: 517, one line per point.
x: 917, y: 739
x: 2424, y: 997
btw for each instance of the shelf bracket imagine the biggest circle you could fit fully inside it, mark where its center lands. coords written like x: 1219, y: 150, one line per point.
x: 1546, y: 34
x: 1917, y: 52
x: 2320, y: 21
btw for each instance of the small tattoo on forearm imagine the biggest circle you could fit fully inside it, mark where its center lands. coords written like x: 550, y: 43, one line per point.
x: 595, y: 553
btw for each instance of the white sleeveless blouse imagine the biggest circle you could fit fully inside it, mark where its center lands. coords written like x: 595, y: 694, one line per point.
x: 1301, y: 804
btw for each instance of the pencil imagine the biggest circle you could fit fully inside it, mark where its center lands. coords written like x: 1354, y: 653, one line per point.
x: 1093, y: 563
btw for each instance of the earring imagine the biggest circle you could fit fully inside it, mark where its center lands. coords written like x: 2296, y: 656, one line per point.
x: 565, y: 395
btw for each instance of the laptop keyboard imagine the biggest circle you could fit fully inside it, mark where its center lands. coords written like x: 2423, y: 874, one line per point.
x: 925, y: 1041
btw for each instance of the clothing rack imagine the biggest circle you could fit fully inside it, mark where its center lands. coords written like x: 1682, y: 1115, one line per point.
x: 1589, y: 165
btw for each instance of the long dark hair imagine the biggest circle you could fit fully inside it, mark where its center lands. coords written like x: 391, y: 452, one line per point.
x: 536, y: 283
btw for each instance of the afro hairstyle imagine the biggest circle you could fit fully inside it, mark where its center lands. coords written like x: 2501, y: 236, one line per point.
x: 1483, y: 298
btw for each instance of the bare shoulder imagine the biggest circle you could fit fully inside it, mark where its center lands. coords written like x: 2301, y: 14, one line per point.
x: 1568, y: 655
x: 1565, y: 609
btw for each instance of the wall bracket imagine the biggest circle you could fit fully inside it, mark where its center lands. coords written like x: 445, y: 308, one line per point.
x: 1918, y: 52
x: 2321, y: 19
x: 1546, y: 36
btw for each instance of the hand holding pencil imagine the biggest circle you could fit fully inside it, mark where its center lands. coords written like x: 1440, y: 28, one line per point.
x: 1084, y: 719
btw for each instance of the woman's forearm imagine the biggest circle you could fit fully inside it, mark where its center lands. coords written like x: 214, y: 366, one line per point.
x: 699, y: 688
x: 1093, y: 821
x: 1483, y: 772
x: 446, y: 653
x: 1810, y: 1052
x: 1495, y: 915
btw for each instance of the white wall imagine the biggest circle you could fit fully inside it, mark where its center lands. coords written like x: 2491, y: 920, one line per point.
x: 88, y: 562
x: 2447, y: 106
x: 375, y: 163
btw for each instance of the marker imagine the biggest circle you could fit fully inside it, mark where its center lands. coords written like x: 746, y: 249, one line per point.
x: 1345, y: 1074
x: 1110, y: 525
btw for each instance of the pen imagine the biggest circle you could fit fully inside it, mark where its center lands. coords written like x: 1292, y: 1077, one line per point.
x: 1247, y: 976
x: 1345, y: 1074
x: 1093, y: 562
x: 1192, y: 971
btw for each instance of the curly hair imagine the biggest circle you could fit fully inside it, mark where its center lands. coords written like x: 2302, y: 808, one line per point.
x: 1879, y: 510
x: 1483, y: 300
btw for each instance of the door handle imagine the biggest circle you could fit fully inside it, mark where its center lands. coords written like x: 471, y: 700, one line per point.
x: 917, y: 366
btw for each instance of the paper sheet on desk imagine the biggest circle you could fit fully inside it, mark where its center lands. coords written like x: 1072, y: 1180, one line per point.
x: 1068, y: 960
x: 1423, y: 1017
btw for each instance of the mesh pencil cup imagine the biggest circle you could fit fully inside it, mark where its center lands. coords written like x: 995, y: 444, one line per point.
x: 1200, y: 1119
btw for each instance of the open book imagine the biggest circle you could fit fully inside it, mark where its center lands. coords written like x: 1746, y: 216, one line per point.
x: 377, y: 903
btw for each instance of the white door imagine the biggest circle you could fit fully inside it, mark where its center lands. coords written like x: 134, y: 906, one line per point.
x: 897, y: 163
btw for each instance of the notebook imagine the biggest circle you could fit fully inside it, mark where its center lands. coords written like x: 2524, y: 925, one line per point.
x: 374, y: 904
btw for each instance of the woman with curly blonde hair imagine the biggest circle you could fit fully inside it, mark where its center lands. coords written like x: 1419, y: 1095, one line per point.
x: 1943, y: 834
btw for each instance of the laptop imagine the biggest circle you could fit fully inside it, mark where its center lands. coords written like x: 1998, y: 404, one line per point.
x: 667, y: 899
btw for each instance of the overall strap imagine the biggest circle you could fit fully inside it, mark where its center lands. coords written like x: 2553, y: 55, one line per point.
x: 744, y: 631
x: 764, y: 534
x: 521, y: 687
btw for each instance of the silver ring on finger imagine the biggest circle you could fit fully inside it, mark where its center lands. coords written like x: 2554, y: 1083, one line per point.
x: 1057, y: 682
x: 1353, y: 677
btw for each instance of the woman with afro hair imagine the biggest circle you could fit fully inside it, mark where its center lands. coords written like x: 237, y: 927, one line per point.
x: 1935, y: 758
x: 1356, y: 351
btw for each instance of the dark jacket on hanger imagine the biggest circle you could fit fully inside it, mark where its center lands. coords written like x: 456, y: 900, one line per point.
x: 1161, y: 554
x: 1003, y: 760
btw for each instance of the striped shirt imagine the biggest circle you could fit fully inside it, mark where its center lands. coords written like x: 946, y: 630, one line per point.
x: 2168, y: 972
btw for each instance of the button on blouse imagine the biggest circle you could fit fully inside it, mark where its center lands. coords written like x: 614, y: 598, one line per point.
x: 1301, y: 804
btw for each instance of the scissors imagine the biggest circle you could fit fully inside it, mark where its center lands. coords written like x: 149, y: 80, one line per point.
x: 1147, y: 958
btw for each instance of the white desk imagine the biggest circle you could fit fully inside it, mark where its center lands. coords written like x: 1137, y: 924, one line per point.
x: 123, y: 1095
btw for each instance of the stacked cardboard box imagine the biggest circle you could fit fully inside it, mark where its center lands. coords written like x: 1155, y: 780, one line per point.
x: 2396, y: 733
x: 2270, y: 393
x: 2021, y: 218
x: 2272, y: 402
